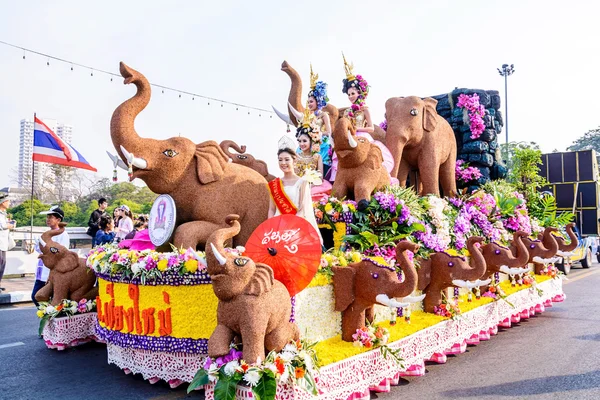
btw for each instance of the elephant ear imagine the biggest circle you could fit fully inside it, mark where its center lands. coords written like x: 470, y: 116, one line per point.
x: 262, y: 280
x: 69, y: 261
x: 211, y: 162
x: 429, y: 114
x: 343, y: 287
x: 424, y: 273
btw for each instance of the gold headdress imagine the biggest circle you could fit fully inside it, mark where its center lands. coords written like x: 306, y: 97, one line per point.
x: 313, y: 78
x: 348, y: 68
x: 306, y: 118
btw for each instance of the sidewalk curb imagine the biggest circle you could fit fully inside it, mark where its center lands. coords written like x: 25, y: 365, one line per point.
x: 15, y: 297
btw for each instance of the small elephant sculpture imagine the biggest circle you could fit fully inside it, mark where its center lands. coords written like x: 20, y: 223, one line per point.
x: 442, y: 271
x: 359, y: 286
x: 565, y: 249
x: 541, y: 251
x: 205, y: 186
x: 252, y: 304
x: 69, y: 277
x: 245, y: 159
x: 360, y: 168
x: 419, y: 138
x: 499, y: 258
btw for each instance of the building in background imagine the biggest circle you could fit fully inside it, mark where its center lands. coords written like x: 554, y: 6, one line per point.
x: 24, y: 170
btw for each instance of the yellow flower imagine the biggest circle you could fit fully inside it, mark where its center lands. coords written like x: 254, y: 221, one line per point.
x: 452, y: 252
x: 328, y: 207
x: 134, y: 257
x: 191, y: 266
x: 356, y: 257
x: 40, y: 313
x: 162, y: 265
x: 351, y: 207
x: 328, y: 258
x: 343, y: 261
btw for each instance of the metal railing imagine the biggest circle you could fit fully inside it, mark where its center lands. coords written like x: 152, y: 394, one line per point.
x: 77, y: 235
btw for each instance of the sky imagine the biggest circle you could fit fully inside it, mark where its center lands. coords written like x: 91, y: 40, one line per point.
x: 233, y: 50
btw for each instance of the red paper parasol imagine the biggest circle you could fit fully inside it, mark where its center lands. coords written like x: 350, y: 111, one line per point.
x: 290, y: 246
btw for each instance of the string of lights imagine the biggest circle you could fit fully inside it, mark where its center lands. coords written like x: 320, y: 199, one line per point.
x: 112, y: 75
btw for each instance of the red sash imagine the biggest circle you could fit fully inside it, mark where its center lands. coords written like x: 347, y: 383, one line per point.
x: 282, y: 201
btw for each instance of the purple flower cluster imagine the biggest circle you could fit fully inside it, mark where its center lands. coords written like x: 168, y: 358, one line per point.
x: 387, y: 201
x: 169, y: 277
x: 465, y: 173
x: 476, y: 113
x: 430, y: 239
x: 388, y: 253
x: 383, y: 125
x: 153, y: 343
x: 233, y: 355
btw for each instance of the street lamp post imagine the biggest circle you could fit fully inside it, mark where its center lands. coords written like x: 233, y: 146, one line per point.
x: 506, y: 71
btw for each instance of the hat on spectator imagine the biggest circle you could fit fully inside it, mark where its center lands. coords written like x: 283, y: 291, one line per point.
x: 56, y: 211
x: 124, y: 207
x: 4, y: 197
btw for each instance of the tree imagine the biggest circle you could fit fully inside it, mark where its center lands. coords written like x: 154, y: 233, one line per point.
x: 22, y: 213
x: 589, y: 140
x: 512, y: 148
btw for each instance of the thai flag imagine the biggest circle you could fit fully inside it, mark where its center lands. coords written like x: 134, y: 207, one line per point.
x: 49, y: 148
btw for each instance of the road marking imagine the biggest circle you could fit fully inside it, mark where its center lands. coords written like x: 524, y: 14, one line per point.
x: 4, y: 346
x: 584, y: 275
x: 15, y: 307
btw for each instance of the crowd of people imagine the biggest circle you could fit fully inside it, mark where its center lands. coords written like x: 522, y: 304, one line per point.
x: 104, y: 228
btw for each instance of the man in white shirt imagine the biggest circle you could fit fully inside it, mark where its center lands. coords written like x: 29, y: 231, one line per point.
x: 54, y: 216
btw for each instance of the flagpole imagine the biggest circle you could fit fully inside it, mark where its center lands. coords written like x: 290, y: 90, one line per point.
x: 32, y: 182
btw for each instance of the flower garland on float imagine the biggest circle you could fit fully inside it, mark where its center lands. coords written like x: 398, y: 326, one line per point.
x: 476, y: 112
x: 66, y: 308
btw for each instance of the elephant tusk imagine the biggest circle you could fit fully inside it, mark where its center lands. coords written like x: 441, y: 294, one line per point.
x: 541, y: 260
x: 564, y: 253
x: 513, y: 271
x: 412, y: 299
x: 383, y: 299
x: 351, y: 140
x: 460, y: 283
x: 284, y: 117
x: 41, y: 243
x: 135, y: 161
x: 299, y: 116
x: 470, y: 284
x: 117, y: 162
x: 222, y: 260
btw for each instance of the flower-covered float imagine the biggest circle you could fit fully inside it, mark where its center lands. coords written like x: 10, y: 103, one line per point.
x: 68, y: 324
x: 405, y: 280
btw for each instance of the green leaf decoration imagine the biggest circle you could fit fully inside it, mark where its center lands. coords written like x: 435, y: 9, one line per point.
x: 225, y: 388
x: 200, y: 379
x: 43, y: 323
x: 266, y: 388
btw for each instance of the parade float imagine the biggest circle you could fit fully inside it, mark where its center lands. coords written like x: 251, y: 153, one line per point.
x: 406, y: 278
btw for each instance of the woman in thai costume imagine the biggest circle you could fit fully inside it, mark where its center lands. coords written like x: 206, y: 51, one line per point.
x: 357, y: 89
x: 309, y: 163
x: 291, y: 194
x: 317, y: 100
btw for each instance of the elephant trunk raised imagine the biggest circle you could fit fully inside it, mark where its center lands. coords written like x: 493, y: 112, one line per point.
x: 215, y: 252
x: 501, y: 259
x: 122, y: 129
x: 295, y: 95
x: 408, y: 269
x: 542, y: 252
x: 566, y: 248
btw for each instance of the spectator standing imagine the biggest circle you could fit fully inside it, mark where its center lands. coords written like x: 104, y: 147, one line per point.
x: 5, y: 227
x: 125, y: 224
x: 95, y: 219
x: 106, y: 233
x: 139, y: 224
x: 54, y: 216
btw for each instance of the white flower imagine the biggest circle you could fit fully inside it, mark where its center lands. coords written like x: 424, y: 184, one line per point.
x: 73, y: 309
x: 213, y: 372
x: 284, y: 377
x: 230, y: 367
x: 290, y: 347
x: 252, y: 377
x: 287, y: 356
x: 135, y: 268
x: 49, y: 309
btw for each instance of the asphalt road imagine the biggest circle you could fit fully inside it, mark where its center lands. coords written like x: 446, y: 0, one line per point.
x: 555, y: 355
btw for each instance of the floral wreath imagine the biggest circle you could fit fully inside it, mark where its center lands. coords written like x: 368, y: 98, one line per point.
x: 357, y: 82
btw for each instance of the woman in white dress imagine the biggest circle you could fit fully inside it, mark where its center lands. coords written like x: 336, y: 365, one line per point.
x: 291, y: 194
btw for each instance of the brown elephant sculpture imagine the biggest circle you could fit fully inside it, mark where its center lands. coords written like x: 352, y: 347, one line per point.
x: 541, y: 251
x: 420, y: 139
x: 360, y: 169
x: 359, y: 286
x: 205, y: 186
x: 69, y: 277
x: 442, y: 271
x: 499, y: 258
x: 245, y: 159
x: 252, y: 304
x: 565, y: 249
x: 295, y: 100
